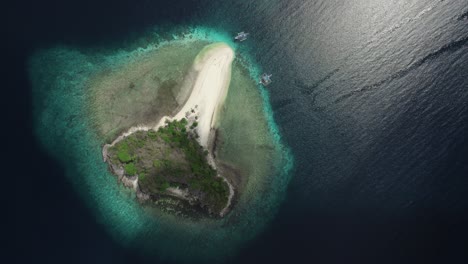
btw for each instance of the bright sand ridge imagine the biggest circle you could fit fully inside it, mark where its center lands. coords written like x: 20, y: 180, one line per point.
x: 209, y: 92
x: 210, y: 88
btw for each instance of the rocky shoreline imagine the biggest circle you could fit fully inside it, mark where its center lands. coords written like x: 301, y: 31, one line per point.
x: 131, y: 182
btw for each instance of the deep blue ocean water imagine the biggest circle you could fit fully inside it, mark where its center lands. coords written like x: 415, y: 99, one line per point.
x: 371, y: 97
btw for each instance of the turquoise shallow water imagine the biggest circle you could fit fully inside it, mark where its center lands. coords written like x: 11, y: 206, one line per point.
x: 62, y: 126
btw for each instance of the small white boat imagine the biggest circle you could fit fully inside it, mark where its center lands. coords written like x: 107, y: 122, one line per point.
x: 241, y: 36
x: 265, y: 79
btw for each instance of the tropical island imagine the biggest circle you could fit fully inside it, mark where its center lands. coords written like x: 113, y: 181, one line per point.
x: 175, y: 158
x: 110, y: 102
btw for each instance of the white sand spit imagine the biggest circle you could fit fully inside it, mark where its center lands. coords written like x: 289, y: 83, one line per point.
x: 210, y: 89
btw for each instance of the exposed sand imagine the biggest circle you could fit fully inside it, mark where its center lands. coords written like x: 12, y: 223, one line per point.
x: 209, y: 92
x: 210, y: 89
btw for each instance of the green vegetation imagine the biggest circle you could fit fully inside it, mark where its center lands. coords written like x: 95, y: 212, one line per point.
x: 169, y: 157
x: 194, y: 125
x: 153, y: 135
x: 130, y: 169
x: 123, y: 154
x: 141, y: 176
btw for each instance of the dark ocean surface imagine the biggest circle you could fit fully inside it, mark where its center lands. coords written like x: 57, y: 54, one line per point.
x: 371, y: 97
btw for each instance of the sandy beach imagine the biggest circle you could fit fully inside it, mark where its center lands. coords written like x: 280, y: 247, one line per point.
x: 210, y: 89
x: 208, y: 94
